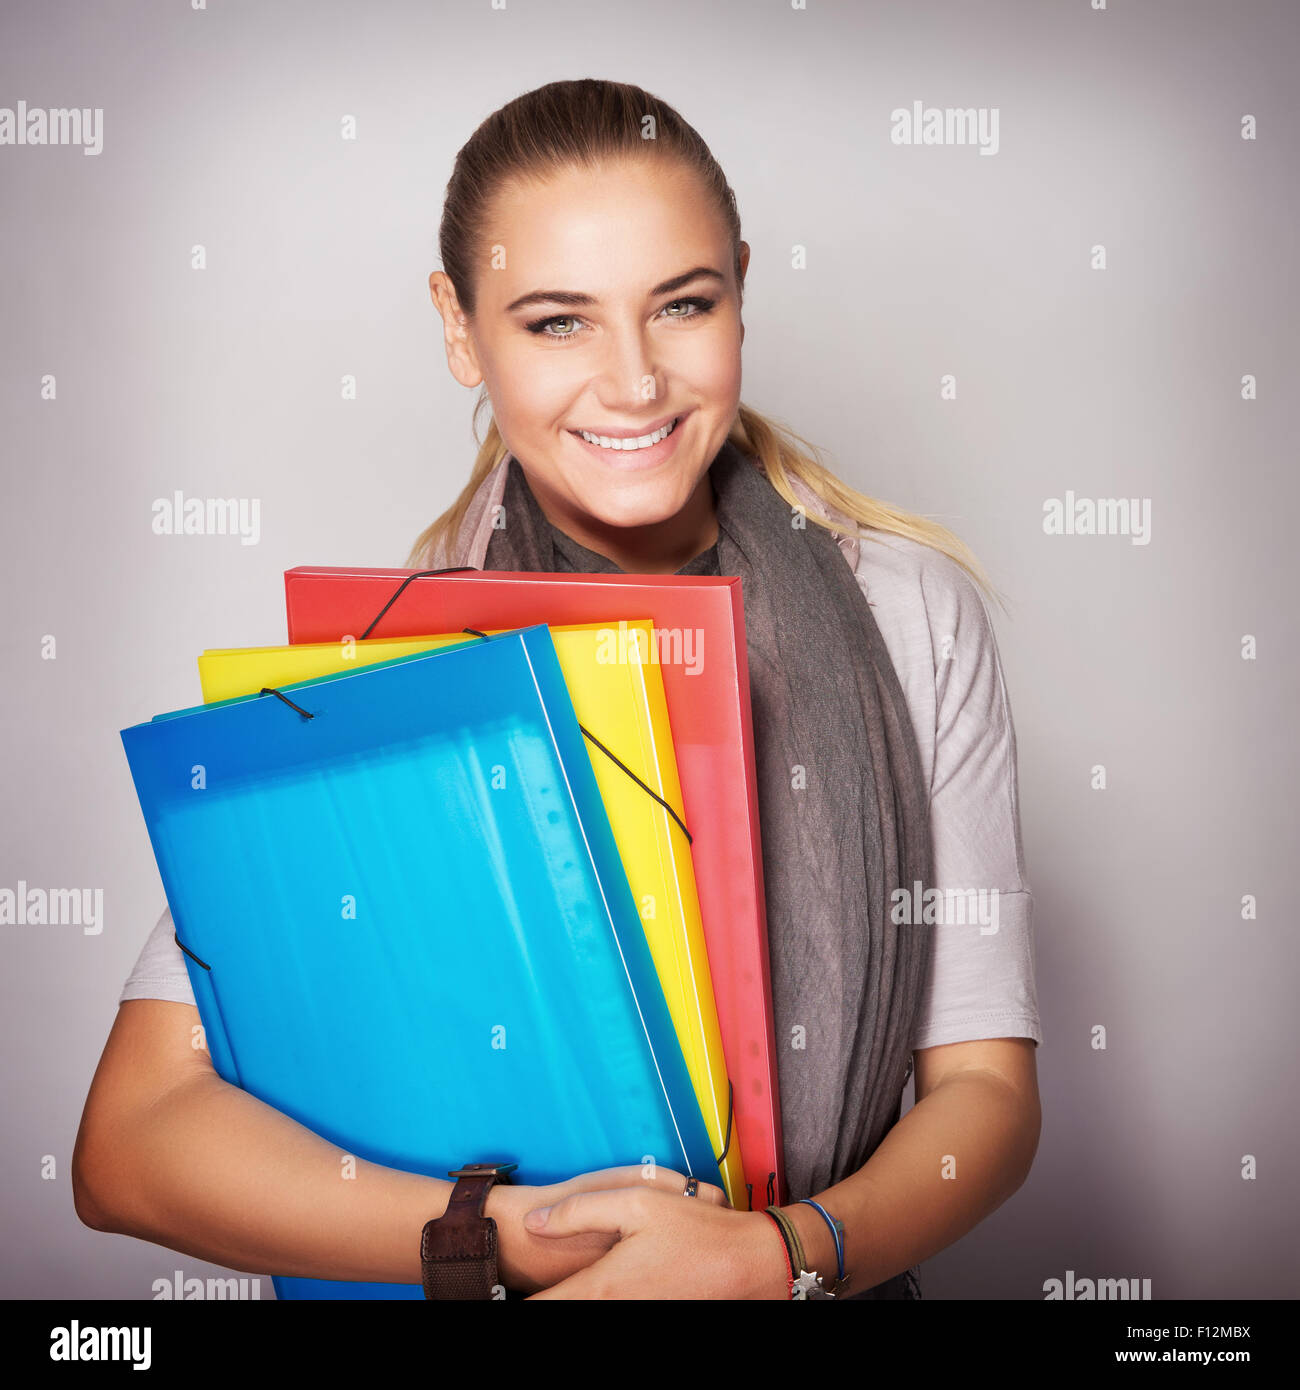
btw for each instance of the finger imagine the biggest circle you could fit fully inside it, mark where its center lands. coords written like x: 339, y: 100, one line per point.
x: 636, y: 1175
x: 617, y: 1274
x: 615, y: 1211
x: 670, y: 1180
x: 621, y: 1274
x: 628, y: 1175
x: 583, y: 1284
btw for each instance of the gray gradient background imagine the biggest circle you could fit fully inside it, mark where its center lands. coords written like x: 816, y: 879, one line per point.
x: 1120, y: 127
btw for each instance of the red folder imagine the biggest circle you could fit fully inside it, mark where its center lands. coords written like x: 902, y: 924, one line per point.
x: 700, y: 645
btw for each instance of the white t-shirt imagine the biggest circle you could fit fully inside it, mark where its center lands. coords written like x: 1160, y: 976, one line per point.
x: 936, y: 626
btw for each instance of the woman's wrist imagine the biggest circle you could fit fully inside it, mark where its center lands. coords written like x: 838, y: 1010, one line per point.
x: 506, y: 1204
x: 817, y: 1241
x: 761, y: 1267
x: 772, y: 1264
x: 526, y: 1261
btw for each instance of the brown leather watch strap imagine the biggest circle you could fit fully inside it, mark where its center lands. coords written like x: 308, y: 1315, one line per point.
x: 458, y: 1251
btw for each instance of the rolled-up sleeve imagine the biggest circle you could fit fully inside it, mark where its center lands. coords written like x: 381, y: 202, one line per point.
x: 980, y: 982
x: 159, y: 971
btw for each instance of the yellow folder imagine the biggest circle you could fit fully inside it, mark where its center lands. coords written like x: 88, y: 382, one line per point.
x: 618, y: 697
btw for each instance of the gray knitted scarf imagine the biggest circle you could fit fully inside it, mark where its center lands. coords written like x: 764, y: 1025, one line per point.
x: 843, y: 811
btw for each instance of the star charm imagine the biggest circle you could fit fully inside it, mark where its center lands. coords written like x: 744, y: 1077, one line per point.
x: 806, y: 1286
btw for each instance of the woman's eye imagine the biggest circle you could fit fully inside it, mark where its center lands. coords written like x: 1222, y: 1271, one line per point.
x: 542, y: 324
x: 541, y: 327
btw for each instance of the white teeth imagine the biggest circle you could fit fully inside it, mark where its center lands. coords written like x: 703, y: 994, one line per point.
x: 642, y: 442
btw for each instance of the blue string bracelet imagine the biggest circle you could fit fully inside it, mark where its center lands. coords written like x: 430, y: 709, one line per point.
x: 837, y: 1230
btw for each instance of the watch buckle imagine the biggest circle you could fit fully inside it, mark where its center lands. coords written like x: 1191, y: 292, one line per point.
x: 479, y: 1170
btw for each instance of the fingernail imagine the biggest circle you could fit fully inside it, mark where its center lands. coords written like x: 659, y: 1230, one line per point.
x: 537, y: 1218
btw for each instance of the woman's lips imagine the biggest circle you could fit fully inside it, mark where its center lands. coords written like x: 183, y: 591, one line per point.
x: 632, y: 459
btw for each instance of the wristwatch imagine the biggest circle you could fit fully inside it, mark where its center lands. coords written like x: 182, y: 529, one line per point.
x: 458, y: 1250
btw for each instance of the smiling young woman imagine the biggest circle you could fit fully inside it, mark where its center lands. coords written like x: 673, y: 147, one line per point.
x: 592, y: 285
x: 592, y: 282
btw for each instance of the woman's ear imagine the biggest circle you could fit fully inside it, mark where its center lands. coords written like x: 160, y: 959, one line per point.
x: 461, y: 357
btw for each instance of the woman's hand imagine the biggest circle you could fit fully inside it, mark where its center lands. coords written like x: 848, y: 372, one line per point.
x: 531, y: 1261
x: 666, y: 1246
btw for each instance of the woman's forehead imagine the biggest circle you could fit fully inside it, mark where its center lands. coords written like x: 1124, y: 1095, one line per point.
x: 583, y: 233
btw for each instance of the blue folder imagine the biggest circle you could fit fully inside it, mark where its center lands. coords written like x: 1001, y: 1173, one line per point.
x: 415, y: 932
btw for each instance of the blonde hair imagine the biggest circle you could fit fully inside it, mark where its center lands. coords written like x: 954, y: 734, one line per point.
x: 581, y: 123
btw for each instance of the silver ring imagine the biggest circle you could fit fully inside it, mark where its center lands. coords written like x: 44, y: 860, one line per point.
x: 692, y: 1188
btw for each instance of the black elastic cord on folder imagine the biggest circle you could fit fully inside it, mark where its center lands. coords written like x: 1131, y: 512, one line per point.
x: 726, y: 1148
x: 474, y: 632
x: 190, y: 953
x: 461, y: 569
x: 265, y: 690
x: 771, y: 1191
x: 270, y: 690
x: 419, y: 574
x: 639, y: 782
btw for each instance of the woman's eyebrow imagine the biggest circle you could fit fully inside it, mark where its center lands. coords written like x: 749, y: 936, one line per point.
x: 572, y: 298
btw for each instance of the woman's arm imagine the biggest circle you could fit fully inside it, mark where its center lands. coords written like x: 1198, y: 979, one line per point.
x: 965, y: 1146
x: 976, y: 1118
x: 169, y: 1152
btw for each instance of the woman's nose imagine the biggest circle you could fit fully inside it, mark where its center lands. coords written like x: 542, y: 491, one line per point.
x: 630, y: 373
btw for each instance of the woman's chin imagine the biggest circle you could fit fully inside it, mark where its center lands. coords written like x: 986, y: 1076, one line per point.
x: 630, y: 501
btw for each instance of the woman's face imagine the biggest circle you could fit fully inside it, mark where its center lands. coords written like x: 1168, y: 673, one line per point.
x: 607, y: 304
